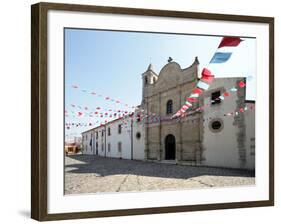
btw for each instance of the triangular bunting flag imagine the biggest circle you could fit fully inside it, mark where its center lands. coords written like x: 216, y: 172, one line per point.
x: 202, y: 85
x: 220, y: 57
x: 190, y: 99
x: 241, y: 84
x: 226, y: 94
x: 197, y: 91
x: 207, y: 76
x: 230, y: 42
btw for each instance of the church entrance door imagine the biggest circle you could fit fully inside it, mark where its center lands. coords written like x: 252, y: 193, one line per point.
x: 170, y: 147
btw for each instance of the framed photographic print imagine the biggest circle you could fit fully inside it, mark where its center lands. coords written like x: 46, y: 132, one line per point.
x: 140, y: 111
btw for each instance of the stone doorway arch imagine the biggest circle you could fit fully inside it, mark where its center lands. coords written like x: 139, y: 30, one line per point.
x: 170, y: 147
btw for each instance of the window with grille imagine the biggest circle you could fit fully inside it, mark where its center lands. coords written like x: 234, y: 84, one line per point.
x: 169, y: 107
x: 215, y: 97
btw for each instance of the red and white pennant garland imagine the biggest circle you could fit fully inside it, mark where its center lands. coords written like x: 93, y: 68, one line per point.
x: 206, y: 76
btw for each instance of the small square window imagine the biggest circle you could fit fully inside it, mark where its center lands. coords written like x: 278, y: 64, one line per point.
x: 215, y: 97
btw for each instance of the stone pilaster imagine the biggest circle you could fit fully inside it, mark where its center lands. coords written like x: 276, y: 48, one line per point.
x: 239, y: 121
x: 179, y: 150
x: 160, y: 128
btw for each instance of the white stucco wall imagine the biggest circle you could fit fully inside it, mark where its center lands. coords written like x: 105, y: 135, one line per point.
x: 138, y: 143
x: 100, y: 143
x: 124, y: 137
x: 131, y: 146
x: 221, y: 148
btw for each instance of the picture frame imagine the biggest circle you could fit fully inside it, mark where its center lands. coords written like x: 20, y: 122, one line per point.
x: 40, y: 111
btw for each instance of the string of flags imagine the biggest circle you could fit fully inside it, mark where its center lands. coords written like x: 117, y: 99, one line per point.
x: 109, y: 99
x: 80, y: 111
x: 154, y: 118
x: 206, y: 76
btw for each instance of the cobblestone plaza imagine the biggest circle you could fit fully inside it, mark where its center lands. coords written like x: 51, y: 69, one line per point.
x: 93, y: 174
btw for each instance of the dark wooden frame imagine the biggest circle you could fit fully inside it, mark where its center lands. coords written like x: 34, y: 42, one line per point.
x: 39, y: 110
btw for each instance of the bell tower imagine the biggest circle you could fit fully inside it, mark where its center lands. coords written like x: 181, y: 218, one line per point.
x: 149, y: 77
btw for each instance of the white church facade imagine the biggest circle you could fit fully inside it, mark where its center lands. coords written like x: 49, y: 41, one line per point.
x: 207, y: 137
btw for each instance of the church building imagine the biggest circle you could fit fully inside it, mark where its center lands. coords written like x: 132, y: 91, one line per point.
x: 221, y: 134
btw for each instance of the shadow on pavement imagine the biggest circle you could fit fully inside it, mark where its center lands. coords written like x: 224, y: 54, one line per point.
x: 112, y: 166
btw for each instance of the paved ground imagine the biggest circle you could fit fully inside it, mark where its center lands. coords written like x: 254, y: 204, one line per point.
x: 92, y: 174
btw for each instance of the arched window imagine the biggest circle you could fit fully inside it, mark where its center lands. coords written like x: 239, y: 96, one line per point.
x: 169, y: 108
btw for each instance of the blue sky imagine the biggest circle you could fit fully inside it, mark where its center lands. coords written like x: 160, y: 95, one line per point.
x: 111, y: 63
